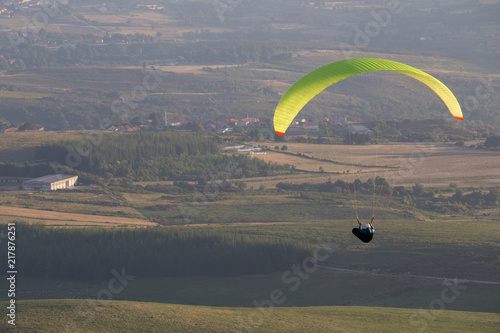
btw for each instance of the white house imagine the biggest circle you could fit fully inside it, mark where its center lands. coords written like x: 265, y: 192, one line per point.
x: 360, y: 129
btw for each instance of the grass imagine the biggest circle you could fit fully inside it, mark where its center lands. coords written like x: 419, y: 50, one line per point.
x: 386, y: 274
x: 21, y: 94
x: 69, y: 79
x: 322, y: 287
x: 114, y: 316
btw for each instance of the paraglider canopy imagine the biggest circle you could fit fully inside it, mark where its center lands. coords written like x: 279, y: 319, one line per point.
x: 302, y: 91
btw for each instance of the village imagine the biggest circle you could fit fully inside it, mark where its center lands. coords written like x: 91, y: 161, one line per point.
x: 300, y: 127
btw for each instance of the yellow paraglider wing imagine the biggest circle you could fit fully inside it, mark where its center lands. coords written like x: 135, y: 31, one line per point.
x: 302, y: 91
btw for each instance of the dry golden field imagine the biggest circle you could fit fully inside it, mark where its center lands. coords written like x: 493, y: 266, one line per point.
x: 432, y: 164
x: 8, y: 214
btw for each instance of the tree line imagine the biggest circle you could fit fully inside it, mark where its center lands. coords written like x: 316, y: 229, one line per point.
x: 379, y: 186
x: 461, y: 200
x: 119, y: 50
x: 427, y: 198
x: 91, y: 254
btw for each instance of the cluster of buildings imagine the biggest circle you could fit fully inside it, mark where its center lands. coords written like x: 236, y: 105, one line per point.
x: 114, y: 7
x: 47, y: 183
x: 219, y: 125
x: 125, y: 128
x: 150, y: 7
x: 300, y: 128
x: 5, y: 12
x: 146, y: 124
x: 21, y: 5
x: 223, y: 125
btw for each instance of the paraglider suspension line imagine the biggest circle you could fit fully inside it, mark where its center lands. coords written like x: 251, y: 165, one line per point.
x: 353, y: 199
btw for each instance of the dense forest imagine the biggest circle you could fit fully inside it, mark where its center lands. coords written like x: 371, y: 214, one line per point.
x: 76, y: 254
x: 155, y: 156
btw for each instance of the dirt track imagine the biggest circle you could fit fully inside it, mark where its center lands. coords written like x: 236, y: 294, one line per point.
x: 409, y: 275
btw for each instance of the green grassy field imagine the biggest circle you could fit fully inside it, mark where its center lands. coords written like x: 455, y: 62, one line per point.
x: 115, y: 316
x: 390, y: 271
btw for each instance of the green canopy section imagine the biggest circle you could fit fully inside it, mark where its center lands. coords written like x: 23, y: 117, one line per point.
x: 302, y: 91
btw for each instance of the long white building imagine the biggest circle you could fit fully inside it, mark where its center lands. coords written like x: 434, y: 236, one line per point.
x: 51, y: 182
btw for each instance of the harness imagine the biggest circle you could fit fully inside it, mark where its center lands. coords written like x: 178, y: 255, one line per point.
x: 365, y: 238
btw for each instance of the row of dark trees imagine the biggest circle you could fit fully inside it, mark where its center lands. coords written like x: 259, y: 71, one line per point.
x: 417, y: 195
x: 33, y: 56
x: 91, y: 254
x: 378, y: 186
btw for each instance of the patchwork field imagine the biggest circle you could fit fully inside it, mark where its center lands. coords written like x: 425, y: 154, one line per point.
x: 403, y: 164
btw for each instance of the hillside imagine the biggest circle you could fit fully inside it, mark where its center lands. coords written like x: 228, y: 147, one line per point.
x: 121, y: 316
x: 87, y: 97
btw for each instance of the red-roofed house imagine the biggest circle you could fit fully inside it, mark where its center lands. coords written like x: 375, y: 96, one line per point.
x: 246, y: 122
x: 210, y: 128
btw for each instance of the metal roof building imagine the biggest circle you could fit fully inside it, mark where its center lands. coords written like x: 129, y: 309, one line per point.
x: 51, y: 182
